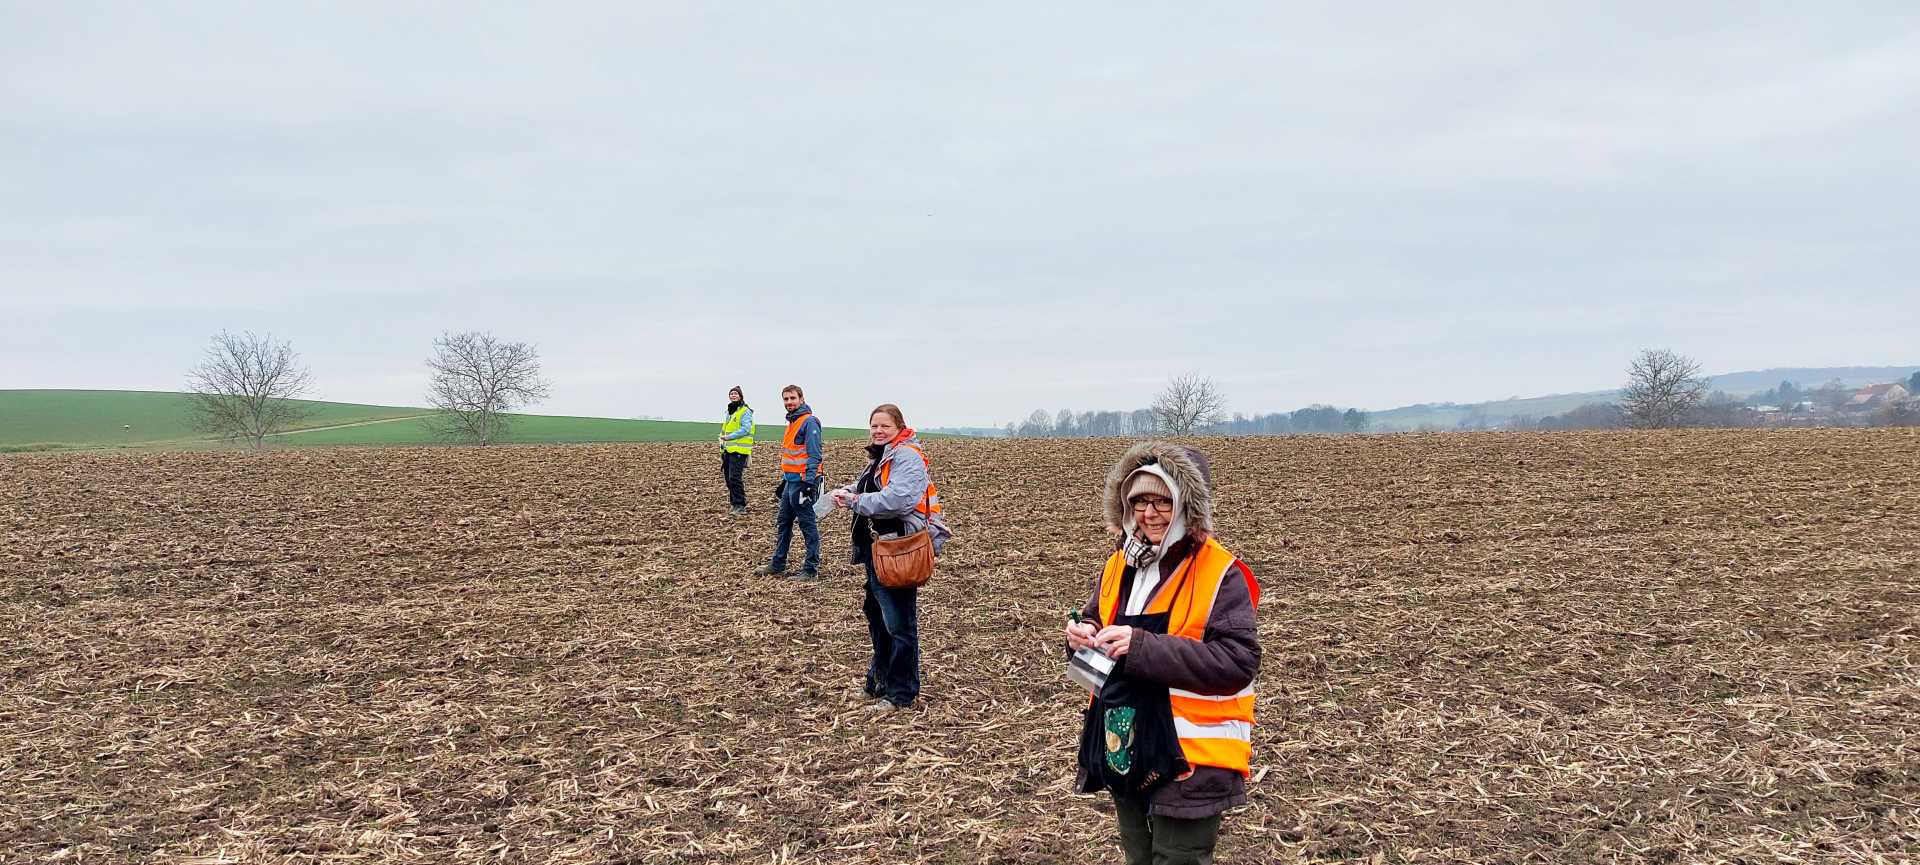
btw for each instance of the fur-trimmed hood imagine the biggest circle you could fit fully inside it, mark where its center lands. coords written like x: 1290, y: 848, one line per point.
x: 1186, y: 466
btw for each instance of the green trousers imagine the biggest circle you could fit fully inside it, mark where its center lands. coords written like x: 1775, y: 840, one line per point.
x: 1150, y: 840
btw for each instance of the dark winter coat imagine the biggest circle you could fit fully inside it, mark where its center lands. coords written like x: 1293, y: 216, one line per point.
x: 1226, y: 660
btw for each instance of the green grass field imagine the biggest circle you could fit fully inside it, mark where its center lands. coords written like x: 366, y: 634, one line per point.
x: 46, y: 419
x: 547, y: 429
x: 32, y: 420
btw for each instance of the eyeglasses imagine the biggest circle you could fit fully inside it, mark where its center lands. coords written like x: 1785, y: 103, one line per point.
x: 1164, y: 506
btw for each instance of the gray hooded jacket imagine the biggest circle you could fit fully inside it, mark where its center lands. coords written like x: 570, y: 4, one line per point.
x: 907, y: 482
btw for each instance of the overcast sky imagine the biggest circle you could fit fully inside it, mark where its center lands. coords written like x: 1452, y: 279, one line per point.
x: 973, y: 210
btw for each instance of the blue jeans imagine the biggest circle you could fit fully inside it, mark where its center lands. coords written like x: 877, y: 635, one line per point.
x: 893, y: 621
x: 790, y: 510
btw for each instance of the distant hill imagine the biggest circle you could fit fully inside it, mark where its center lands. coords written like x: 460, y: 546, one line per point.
x: 1744, y: 383
x: 1735, y: 384
x: 70, y: 419
x: 1449, y: 415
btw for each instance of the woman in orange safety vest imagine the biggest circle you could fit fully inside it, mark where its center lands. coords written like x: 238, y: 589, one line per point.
x: 1170, y: 735
x: 895, y: 495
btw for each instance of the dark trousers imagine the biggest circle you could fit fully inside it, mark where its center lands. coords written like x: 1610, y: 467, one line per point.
x: 734, y: 466
x: 793, y: 510
x: 893, y: 621
x: 1152, y: 840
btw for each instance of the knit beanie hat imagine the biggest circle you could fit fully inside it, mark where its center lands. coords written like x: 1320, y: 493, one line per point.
x: 1146, y: 483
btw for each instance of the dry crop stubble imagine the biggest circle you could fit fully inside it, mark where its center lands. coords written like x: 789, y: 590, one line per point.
x: 1676, y: 647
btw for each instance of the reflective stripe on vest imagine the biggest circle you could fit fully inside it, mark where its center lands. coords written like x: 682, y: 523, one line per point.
x: 930, y: 502
x: 743, y: 444
x: 1214, y: 730
x: 793, y: 454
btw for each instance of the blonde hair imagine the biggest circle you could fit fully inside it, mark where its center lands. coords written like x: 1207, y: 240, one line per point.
x: 892, y: 411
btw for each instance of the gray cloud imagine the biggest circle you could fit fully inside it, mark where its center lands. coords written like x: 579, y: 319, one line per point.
x: 973, y: 212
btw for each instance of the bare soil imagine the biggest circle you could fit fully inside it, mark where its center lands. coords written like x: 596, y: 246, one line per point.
x: 1682, y: 647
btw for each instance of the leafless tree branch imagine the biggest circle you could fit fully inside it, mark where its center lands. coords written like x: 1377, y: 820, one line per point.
x: 476, y: 381
x: 1663, y: 390
x: 245, y: 386
x: 1190, y: 404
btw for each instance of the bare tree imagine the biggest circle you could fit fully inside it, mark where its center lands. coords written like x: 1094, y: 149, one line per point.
x: 1904, y: 412
x: 245, y: 386
x: 1663, y: 390
x: 1037, y: 425
x: 1190, y: 404
x: 477, y: 379
x: 1832, y: 396
x: 1066, y: 424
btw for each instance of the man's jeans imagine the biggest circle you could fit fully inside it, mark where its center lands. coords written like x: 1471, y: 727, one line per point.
x: 791, y: 509
x: 893, y: 622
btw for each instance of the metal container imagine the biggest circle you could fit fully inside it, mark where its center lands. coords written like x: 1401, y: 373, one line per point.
x: 1090, y: 668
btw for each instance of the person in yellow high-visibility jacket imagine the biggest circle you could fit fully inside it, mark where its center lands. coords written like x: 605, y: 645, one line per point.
x: 736, y: 447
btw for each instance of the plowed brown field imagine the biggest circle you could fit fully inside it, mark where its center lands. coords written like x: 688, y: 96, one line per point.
x: 1684, y: 647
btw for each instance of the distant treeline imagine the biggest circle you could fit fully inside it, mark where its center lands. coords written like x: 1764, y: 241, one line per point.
x: 1067, y: 423
x: 1788, y: 402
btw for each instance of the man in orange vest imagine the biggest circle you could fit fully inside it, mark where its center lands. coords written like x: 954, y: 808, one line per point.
x: 1170, y: 734
x: 799, y: 486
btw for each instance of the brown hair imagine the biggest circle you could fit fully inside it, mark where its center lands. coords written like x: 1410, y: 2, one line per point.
x: 892, y: 411
x: 796, y: 391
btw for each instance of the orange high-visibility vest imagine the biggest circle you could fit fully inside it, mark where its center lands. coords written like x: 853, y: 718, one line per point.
x: 929, y: 503
x: 793, y: 454
x: 1213, y: 730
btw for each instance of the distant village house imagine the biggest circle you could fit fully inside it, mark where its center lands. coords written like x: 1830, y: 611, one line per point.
x: 1877, y: 396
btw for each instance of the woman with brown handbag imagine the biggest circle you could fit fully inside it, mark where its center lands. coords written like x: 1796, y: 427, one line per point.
x: 897, y: 524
